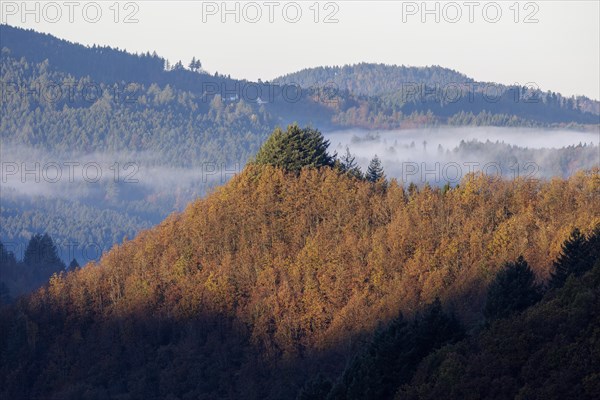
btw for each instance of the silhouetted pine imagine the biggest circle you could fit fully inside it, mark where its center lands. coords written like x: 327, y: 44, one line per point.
x: 349, y: 166
x: 42, y: 255
x: 513, y: 290
x: 73, y: 265
x: 575, y: 258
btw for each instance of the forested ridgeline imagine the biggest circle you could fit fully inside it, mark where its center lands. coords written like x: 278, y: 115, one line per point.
x: 388, y: 96
x: 175, y: 126
x: 278, y: 275
x: 178, y: 99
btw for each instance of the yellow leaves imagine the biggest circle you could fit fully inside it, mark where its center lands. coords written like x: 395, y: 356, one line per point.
x: 219, y: 289
x: 212, y: 283
x: 503, y: 240
x: 182, y: 266
x: 56, y: 285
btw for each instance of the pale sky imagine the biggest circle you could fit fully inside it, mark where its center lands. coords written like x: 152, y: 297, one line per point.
x: 558, y: 49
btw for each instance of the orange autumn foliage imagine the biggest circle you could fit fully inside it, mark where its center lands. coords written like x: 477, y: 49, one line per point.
x: 306, y: 262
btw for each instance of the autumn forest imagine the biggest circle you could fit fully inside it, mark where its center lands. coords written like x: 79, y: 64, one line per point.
x: 290, y: 282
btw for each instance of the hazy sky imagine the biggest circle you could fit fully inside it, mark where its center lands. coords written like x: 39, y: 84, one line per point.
x: 554, y: 44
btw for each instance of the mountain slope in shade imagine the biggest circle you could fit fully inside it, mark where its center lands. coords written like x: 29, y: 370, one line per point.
x: 548, y: 352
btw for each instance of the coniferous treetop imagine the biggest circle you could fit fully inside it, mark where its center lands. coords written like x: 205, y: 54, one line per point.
x: 375, y: 170
x: 294, y: 149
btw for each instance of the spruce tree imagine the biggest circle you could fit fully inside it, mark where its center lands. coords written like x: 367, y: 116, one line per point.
x: 294, y: 149
x: 573, y: 259
x: 348, y: 165
x: 41, y: 256
x: 513, y: 290
x: 73, y: 265
x: 375, y: 170
x: 192, y: 65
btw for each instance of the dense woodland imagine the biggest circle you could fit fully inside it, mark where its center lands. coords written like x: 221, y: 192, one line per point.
x: 303, y: 277
x: 177, y: 125
x: 362, y: 95
x: 388, y: 96
x: 316, y: 282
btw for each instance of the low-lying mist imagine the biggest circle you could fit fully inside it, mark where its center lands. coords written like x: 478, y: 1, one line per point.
x: 89, y: 202
x: 442, y: 155
x: 105, y: 176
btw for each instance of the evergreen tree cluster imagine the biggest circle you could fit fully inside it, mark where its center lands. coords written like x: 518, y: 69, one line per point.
x: 40, y: 261
x: 578, y: 255
x: 514, y: 289
x: 294, y: 149
x: 393, y: 354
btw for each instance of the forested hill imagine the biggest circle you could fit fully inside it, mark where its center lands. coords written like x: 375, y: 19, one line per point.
x: 63, y: 101
x: 302, y: 278
x: 446, y: 94
x: 276, y: 276
x: 363, y: 95
x: 374, y: 79
x: 100, y: 63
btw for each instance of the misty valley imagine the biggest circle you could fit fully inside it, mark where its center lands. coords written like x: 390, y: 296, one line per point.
x: 89, y: 202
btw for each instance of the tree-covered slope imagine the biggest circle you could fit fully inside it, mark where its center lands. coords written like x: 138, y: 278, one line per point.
x: 275, y: 276
x: 388, y: 96
x: 373, y: 79
x: 551, y: 351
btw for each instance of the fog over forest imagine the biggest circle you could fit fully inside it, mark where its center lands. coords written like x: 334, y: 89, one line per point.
x: 69, y: 175
x: 104, y: 197
x: 534, y: 153
x: 448, y: 154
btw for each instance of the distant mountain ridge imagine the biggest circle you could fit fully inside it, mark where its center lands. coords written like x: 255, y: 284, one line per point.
x: 373, y: 79
x: 361, y: 95
x: 385, y: 80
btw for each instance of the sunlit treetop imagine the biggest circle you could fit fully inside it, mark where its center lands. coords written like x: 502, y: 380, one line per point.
x: 294, y: 149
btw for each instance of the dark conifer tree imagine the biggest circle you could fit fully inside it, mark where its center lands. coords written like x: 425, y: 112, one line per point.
x: 573, y: 259
x: 512, y: 290
x: 295, y: 149
x: 73, y: 265
x: 375, y: 170
x: 41, y: 256
x: 349, y: 166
